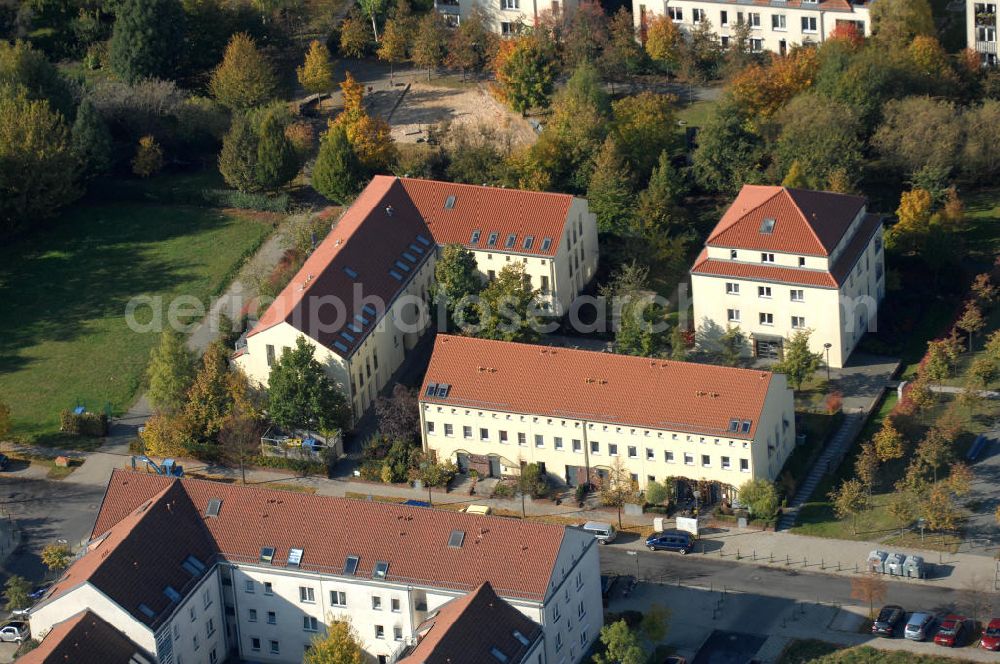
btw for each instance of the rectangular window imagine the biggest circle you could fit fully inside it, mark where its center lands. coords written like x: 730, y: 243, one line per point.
x: 213, y: 658
x: 613, y: 449
x: 272, y: 618
x: 275, y: 647
x: 270, y: 354
x: 192, y: 613
x: 507, y: 28
x: 798, y: 322
x: 724, y: 22
x: 206, y: 599
x: 466, y: 432
x: 697, y: 15
x: 484, y: 434
x: 766, y: 257
x: 376, y: 603
x: 379, y: 632
x: 688, y: 459
x: 310, y: 624
x: 522, y: 439
x: 650, y: 454
x: 808, y: 24
x: 675, y: 13
x: 766, y: 319
x: 539, y: 440
x: 802, y: 261
x: 254, y: 644
x: 248, y: 586
x: 706, y: 461
x: 732, y: 288
x: 338, y: 598
x: 725, y: 463
x: 503, y: 437
x: 397, y: 633
x: 252, y: 615
x: 545, y: 284
x: 430, y: 428
x: 668, y: 456
x: 754, y: 19
x: 595, y: 447
x: 733, y: 315
x: 509, y: 4
x: 194, y: 640
x: 744, y: 465
x: 307, y: 595
x: 632, y: 452
x: 798, y: 295
x: 577, y: 445
x: 209, y: 628
x: 778, y: 22
x: 733, y: 254
x: 763, y: 291
x: 449, y: 430
x: 394, y: 605
x: 557, y: 442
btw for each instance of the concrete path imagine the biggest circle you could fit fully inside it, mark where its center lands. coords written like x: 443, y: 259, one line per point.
x: 951, y: 389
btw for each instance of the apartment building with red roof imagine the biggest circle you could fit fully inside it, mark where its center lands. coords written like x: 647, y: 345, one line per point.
x: 775, y: 25
x: 85, y: 638
x: 362, y: 297
x: 198, y: 571
x: 494, y: 405
x: 785, y: 260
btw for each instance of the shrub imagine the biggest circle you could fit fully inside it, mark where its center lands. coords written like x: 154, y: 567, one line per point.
x: 232, y: 198
x: 503, y: 490
x: 302, y: 466
x: 438, y: 474
x: 371, y: 470
x: 84, y: 424
x: 834, y: 402
x: 148, y: 159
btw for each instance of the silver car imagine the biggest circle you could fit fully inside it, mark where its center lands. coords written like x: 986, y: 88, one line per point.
x: 918, y: 626
x: 14, y: 631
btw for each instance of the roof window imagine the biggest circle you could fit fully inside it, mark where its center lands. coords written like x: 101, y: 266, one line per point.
x: 339, y: 346
x: 422, y: 240
x: 492, y: 239
x: 498, y: 654
x: 172, y: 594
x: 368, y: 309
x: 347, y: 336
x: 456, y: 539
x: 266, y: 554
x: 193, y: 566
x: 442, y: 390
x: 528, y: 241
x: 294, y: 557
x: 511, y: 239
x: 214, y: 505
x: 351, y: 273
x: 381, y: 569
x: 395, y: 275
x: 475, y: 237
x: 416, y: 249
x: 410, y: 257
x: 767, y: 226
x: 521, y: 637
x: 402, y: 266
x: 746, y: 426
x: 449, y: 203
x: 431, y: 389
x: 546, y: 243
x: 146, y: 611
x: 351, y: 565
x: 734, y: 425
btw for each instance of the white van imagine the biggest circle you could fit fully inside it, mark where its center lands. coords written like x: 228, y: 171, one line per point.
x: 604, y: 532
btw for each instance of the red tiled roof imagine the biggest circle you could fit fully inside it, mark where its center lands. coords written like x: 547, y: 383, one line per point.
x: 490, y: 210
x: 83, y: 639
x: 790, y: 275
x: 602, y: 387
x: 368, y: 240
x: 806, y: 222
x: 467, y: 628
x: 515, y: 556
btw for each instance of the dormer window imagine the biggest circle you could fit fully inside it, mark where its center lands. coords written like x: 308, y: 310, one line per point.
x: 732, y: 254
x: 766, y: 257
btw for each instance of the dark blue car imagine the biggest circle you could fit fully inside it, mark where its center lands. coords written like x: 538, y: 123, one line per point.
x: 670, y: 540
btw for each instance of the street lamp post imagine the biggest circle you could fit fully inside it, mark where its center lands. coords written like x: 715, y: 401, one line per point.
x: 635, y: 554
x: 826, y: 347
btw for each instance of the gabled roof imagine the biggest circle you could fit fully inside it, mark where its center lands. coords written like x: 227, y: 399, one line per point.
x: 516, y: 556
x: 505, y: 212
x: 356, y: 260
x: 601, y: 387
x: 469, y: 628
x: 143, y: 552
x: 804, y: 222
x: 85, y: 638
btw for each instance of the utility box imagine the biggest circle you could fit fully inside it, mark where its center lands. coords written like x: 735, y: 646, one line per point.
x: 913, y: 567
x: 876, y: 561
x: 894, y: 564
x: 658, y: 524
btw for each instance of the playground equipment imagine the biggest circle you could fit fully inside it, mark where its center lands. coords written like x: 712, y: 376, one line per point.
x: 168, y: 468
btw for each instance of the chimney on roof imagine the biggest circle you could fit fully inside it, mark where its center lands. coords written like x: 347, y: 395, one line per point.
x: 388, y: 210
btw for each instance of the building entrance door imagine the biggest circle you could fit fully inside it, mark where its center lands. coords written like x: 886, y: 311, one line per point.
x: 494, y: 466
x: 768, y: 350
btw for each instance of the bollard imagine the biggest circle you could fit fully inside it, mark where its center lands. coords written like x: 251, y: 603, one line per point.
x: 737, y: 553
x: 770, y: 557
x: 855, y: 568
x: 755, y: 555
x: 788, y: 559
x: 822, y: 563
x: 838, y: 565
x: 804, y: 563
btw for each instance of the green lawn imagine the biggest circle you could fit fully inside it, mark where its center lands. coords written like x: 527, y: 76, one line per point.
x: 803, y: 651
x: 869, y: 655
x: 65, y: 289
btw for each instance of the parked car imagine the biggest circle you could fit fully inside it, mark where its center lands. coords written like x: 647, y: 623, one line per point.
x: 951, y: 631
x: 670, y: 540
x: 478, y: 509
x: 604, y: 532
x: 991, y: 635
x: 40, y: 591
x: 607, y: 585
x: 889, y: 618
x: 4, y: 461
x: 918, y: 626
x: 14, y: 632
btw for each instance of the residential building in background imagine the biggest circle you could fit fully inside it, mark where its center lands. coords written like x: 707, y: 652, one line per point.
x: 86, y: 638
x: 783, y: 260
x: 493, y: 406
x: 362, y: 298
x: 504, y: 17
x: 776, y: 25
x: 194, y: 571
x: 981, y: 29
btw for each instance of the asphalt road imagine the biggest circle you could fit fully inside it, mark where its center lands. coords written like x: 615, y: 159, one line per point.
x: 45, y: 511
x: 768, y: 582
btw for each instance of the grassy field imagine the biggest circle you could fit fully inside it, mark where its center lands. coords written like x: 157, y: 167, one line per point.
x: 65, y: 339
x: 803, y: 651
x: 869, y: 655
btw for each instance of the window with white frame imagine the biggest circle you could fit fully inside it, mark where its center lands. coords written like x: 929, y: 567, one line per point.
x: 798, y: 295
x: 798, y: 322
x: 754, y: 19
x: 503, y: 436
x: 763, y: 291
x: 725, y: 463
x: 724, y: 22
x: 613, y: 449
x: 449, y: 430
x: 268, y: 588
x: 577, y: 445
x: 650, y: 454
x: 430, y: 427
x: 484, y: 434
x: 766, y: 257
x: 251, y: 615
x: 595, y: 447
x: 732, y: 288
x: 668, y: 456
x: 376, y: 603
x: 706, y: 461
x: 272, y: 618
x: 466, y: 432
x: 310, y: 624
x: 248, y: 586
x: 744, y: 465
x: 756, y: 46
x: 697, y: 15
x: 338, y: 598
x: 557, y: 442
x: 510, y: 4
x: 307, y: 595
x: 394, y: 605
x: 633, y: 452
x: 275, y: 647
x: 522, y: 439
x: 539, y: 440
x: 397, y: 633
x: 733, y: 315
x: 766, y: 319
x: 778, y: 22
x: 808, y: 24
x: 675, y: 13
x: 688, y: 459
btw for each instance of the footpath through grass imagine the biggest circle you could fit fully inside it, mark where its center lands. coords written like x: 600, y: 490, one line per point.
x: 64, y: 338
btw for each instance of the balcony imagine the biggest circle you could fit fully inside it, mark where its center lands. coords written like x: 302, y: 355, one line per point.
x: 447, y: 6
x: 986, y: 47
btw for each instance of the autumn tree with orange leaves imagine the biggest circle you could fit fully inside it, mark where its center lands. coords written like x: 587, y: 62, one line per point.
x: 369, y: 137
x: 761, y: 90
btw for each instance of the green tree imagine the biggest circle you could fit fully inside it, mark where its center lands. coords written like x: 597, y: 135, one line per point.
x: 395, y: 41
x: 657, y: 212
x: 91, y: 140
x: 430, y: 42
x: 623, y: 56
x: 39, y: 168
x: 889, y: 442
x: 146, y: 39
x: 983, y: 372
x: 277, y: 161
x: 617, y: 487
x: 507, y: 307
x: 525, y: 72
x: 56, y: 556
x: 316, y: 73
x: 209, y: 400
x: 849, y: 500
x: 644, y: 128
x: 456, y: 279
x: 656, y: 493
x: 731, y: 345
x: 472, y: 45
x: 339, y: 645
x: 971, y: 321
x: 244, y: 78
x: 337, y: 173
x: 678, y: 344
x: 238, y: 158
x: 729, y: 153
x: 355, y: 37
x: 622, y: 645
x: 610, y: 193
x: 641, y: 327
x: 896, y: 22
x: 866, y: 466
x: 21, y: 65
x: 301, y: 395
x: 920, y: 133
x: 760, y: 497
x: 799, y: 363
x: 16, y: 592
x: 148, y: 159
x: 818, y: 150
x: 170, y: 372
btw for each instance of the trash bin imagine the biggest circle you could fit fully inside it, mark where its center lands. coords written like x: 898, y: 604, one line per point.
x: 876, y: 561
x: 894, y: 564
x: 913, y: 567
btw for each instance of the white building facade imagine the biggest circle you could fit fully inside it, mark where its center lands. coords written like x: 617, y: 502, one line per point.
x: 981, y: 30
x: 504, y: 17
x: 776, y: 25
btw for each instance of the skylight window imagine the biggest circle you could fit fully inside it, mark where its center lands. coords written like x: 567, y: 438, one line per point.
x: 368, y: 309
x: 746, y: 426
x: 294, y: 557
x: 340, y: 346
x: 449, y: 203
x: 546, y: 243
x: 475, y: 237
x: 402, y: 266
x: 734, y: 425
x: 498, y: 654
x: 416, y: 249
x: 146, y: 611
x: 431, y: 389
x: 351, y: 565
x: 521, y: 637
x: 347, y: 336
x: 529, y: 241
x: 767, y: 226
x: 172, y: 594
x: 361, y: 319
x: 193, y: 566
x: 214, y: 505
x: 395, y: 275
x: 354, y: 328
x: 492, y: 240
x: 442, y: 390
x: 456, y: 539
x: 266, y: 554
x: 351, y: 273
x: 511, y: 239
x: 422, y: 240
x: 381, y: 569
x: 410, y: 257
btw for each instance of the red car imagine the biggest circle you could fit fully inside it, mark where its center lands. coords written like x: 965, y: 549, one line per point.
x: 951, y: 631
x: 991, y: 636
